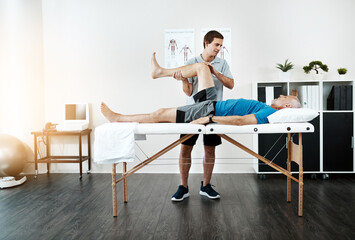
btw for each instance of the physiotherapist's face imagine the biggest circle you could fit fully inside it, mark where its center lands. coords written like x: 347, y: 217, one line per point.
x: 214, y: 47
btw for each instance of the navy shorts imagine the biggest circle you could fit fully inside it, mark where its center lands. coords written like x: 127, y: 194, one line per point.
x: 208, y: 140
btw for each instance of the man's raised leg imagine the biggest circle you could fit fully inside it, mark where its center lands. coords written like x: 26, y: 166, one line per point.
x: 161, y: 115
x: 201, y: 70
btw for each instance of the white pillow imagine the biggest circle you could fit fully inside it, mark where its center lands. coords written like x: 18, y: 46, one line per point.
x: 293, y: 115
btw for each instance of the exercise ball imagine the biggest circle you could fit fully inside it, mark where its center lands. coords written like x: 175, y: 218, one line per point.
x: 13, y: 155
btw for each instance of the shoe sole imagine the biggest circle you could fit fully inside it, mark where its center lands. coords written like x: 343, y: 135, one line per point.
x: 210, y: 197
x: 186, y: 195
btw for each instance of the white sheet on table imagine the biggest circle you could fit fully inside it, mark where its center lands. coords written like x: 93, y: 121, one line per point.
x: 114, y: 143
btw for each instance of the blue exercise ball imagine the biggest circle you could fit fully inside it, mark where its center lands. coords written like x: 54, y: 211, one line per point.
x: 13, y: 155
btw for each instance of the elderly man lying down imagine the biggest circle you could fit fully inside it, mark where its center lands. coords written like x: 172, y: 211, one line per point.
x: 206, y: 109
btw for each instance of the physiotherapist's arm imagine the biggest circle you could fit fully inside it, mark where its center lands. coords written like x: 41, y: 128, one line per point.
x: 226, y: 81
x: 235, y: 120
x: 229, y: 120
x: 186, y: 86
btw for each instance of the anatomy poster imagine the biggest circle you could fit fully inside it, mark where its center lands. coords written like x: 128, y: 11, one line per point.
x: 226, y: 49
x: 179, y: 46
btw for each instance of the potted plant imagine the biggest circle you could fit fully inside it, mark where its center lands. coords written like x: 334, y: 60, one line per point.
x: 342, y: 72
x: 316, y: 66
x: 284, y: 75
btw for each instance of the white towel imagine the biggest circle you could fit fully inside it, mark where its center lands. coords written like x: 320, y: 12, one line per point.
x: 114, y: 143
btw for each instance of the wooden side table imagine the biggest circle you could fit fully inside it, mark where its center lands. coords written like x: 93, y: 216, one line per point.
x: 47, y: 135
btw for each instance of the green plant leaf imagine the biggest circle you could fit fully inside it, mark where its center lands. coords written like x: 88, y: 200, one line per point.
x: 315, y: 65
x: 286, y: 67
x: 342, y: 71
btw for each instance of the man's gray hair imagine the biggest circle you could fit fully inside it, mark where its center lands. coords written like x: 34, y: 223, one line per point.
x: 295, y: 103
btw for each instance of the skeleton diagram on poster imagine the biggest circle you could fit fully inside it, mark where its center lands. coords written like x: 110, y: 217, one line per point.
x: 179, y: 46
x: 226, y: 49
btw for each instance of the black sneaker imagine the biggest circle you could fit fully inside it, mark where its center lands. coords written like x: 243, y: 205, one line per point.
x: 180, y: 194
x: 208, y: 191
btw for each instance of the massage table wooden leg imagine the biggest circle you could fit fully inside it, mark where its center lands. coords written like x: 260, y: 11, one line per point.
x: 289, y: 167
x: 114, y: 193
x: 125, y: 182
x: 295, y: 154
x: 300, y: 184
x: 136, y: 168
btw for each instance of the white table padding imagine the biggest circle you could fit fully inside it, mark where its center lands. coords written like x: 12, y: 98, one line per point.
x: 169, y: 128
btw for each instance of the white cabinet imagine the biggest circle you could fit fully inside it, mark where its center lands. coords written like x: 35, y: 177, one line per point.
x: 330, y: 148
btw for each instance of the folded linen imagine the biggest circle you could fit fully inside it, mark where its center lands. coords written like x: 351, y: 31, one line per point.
x: 114, y: 143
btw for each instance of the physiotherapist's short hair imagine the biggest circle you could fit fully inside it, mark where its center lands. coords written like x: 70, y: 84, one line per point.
x: 210, y: 36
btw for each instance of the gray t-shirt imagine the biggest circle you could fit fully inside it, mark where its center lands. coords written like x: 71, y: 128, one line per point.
x: 220, y: 65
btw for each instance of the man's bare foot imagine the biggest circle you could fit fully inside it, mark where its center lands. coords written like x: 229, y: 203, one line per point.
x: 109, y: 114
x: 156, y: 69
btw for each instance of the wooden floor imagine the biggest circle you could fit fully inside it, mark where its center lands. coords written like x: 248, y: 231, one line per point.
x: 60, y: 206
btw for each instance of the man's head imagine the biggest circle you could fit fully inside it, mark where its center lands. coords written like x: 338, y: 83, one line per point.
x: 286, y: 102
x: 212, y: 42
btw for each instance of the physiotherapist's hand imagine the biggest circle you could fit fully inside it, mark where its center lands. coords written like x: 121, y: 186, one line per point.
x: 203, y: 120
x: 178, y: 75
x: 212, y: 69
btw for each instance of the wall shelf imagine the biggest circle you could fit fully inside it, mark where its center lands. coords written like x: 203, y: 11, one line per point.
x: 330, y: 148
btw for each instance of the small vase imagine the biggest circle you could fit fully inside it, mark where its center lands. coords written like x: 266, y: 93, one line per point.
x: 341, y: 76
x: 284, y: 76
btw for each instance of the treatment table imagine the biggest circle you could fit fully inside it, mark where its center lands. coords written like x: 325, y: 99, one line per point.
x: 294, y: 150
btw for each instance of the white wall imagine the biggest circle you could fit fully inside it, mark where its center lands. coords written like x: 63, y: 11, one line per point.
x: 21, y: 69
x: 100, y: 51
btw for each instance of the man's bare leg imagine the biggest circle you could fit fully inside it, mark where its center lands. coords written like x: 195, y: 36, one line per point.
x: 208, y: 164
x: 201, y: 70
x: 161, y: 115
x: 185, y: 163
